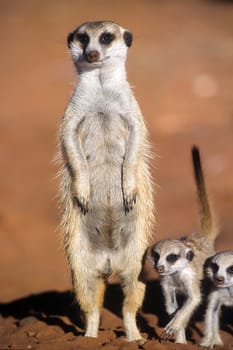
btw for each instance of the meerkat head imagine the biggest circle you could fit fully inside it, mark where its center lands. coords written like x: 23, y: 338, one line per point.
x: 219, y: 269
x: 170, y: 256
x: 95, y: 44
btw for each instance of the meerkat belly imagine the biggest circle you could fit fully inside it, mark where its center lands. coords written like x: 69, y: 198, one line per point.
x: 103, y: 138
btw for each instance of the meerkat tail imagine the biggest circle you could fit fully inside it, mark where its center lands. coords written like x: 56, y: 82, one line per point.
x: 207, y: 217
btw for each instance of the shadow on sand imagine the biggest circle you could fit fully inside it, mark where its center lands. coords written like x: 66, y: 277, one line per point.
x: 50, y: 306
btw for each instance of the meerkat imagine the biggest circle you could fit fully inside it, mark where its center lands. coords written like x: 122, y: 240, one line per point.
x: 179, y: 262
x: 106, y: 186
x: 219, y: 269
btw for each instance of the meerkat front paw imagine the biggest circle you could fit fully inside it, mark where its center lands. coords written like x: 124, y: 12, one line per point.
x: 82, y: 203
x: 81, y: 196
x: 173, y: 331
x: 129, y: 201
x: 129, y: 192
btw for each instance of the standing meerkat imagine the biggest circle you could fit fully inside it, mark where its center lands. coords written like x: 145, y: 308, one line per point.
x: 179, y: 262
x: 219, y: 269
x: 106, y: 187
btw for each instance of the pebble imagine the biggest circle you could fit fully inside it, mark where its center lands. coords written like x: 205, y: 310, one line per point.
x: 27, y: 320
x: 31, y: 334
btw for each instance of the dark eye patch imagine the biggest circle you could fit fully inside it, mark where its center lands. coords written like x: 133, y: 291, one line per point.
x: 190, y: 255
x: 155, y: 257
x: 83, y: 38
x: 214, y: 267
x: 171, y: 258
x: 106, y: 38
x: 230, y: 270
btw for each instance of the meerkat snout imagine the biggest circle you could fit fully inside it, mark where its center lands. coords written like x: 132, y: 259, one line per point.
x: 219, y: 280
x: 160, y: 269
x: 92, y: 56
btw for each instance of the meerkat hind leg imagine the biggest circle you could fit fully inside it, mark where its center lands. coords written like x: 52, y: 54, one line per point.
x: 90, y: 293
x: 212, y: 336
x: 93, y: 315
x: 180, y: 336
x: 134, y: 294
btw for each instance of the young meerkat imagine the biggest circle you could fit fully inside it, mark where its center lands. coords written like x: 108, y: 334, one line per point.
x: 179, y: 262
x: 106, y: 187
x: 219, y: 269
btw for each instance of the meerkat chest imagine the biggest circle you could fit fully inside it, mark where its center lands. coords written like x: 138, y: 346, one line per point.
x: 226, y: 296
x: 104, y: 129
x: 180, y: 279
x: 177, y: 282
x: 103, y: 135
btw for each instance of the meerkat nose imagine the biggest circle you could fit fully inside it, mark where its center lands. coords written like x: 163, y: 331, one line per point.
x: 219, y: 279
x: 93, y: 56
x: 160, y: 269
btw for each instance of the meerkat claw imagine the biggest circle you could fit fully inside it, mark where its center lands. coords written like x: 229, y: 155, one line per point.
x: 168, y: 332
x: 129, y: 202
x: 82, y: 204
x: 141, y: 341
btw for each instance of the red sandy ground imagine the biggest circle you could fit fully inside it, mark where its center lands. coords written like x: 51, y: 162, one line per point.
x: 181, y: 68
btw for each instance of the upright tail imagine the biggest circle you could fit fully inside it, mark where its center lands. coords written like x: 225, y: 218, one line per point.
x: 207, y: 219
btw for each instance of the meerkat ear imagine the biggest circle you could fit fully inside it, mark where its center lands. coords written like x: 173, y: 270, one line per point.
x: 70, y: 38
x: 128, y: 38
x: 207, y: 263
x: 207, y: 267
x: 190, y: 255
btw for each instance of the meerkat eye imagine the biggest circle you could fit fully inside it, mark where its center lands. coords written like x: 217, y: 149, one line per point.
x: 230, y: 270
x: 106, y: 38
x: 172, y: 258
x: 83, y: 38
x: 214, y: 267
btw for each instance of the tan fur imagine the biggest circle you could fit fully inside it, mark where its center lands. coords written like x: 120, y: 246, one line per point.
x: 209, y: 227
x: 106, y: 187
x: 180, y: 262
x: 219, y: 269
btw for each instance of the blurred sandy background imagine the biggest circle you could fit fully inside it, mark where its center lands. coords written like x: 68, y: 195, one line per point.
x: 181, y: 69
